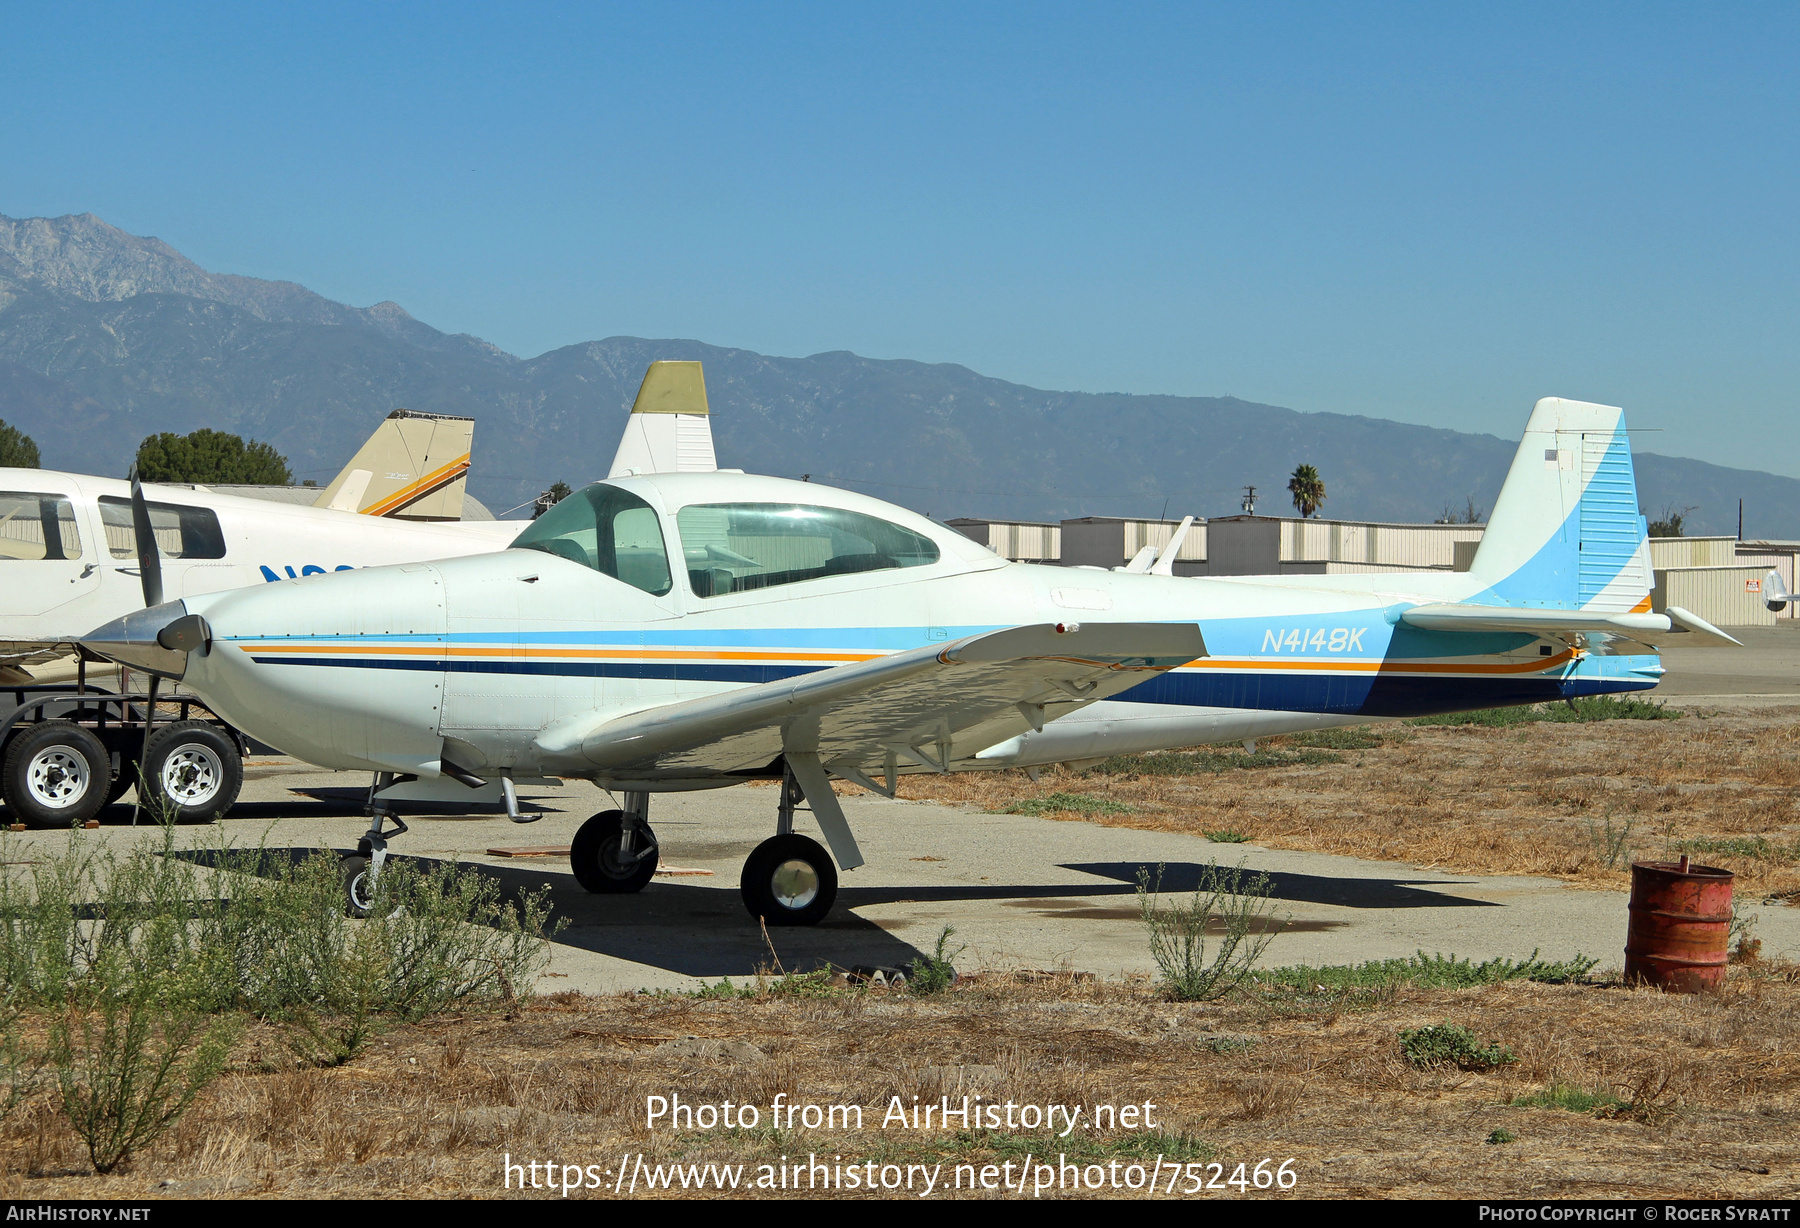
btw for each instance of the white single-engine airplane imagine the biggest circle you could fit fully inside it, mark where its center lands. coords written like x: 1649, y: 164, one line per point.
x: 695, y: 630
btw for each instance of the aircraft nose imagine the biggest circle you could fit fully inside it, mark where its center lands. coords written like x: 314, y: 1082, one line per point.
x: 157, y: 640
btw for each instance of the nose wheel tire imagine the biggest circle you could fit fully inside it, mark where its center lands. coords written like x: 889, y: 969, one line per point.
x: 600, y: 863
x: 789, y: 880
x: 194, y: 771
x: 56, y: 774
x: 359, y: 889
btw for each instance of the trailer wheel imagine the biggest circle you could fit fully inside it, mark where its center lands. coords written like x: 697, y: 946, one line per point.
x: 56, y: 774
x: 194, y: 772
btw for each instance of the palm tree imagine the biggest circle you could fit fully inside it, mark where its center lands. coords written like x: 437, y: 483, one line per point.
x: 1308, y: 489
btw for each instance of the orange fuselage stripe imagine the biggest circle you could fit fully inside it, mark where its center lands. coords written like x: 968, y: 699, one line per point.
x: 681, y: 654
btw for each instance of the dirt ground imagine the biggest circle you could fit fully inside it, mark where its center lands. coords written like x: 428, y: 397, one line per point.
x: 1523, y: 799
x: 1693, y: 1096
x: 1701, y: 1095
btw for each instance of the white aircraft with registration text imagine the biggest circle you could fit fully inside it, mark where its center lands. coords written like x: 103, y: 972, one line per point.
x: 675, y: 631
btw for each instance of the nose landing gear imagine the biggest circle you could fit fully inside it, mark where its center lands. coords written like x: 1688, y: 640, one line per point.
x: 615, y: 852
x: 361, y: 868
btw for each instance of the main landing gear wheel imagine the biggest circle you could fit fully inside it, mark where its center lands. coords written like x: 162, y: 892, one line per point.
x: 789, y: 880
x: 600, y: 863
x: 194, y: 771
x: 56, y: 774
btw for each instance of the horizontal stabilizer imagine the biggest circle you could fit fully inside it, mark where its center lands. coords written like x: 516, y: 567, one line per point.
x: 1672, y: 627
x: 929, y: 706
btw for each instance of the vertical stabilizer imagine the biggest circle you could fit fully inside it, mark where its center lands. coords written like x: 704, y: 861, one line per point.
x: 670, y: 430
x: 1566, y: 532
x: 412, y: 468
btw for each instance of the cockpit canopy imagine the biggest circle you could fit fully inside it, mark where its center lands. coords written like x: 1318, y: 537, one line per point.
x: 724, y: 547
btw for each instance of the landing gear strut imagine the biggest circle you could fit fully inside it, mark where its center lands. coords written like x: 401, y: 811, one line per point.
x: 361, y: 868
x: 615, y: 852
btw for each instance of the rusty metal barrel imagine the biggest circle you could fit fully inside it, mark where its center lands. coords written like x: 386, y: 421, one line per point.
x: 1680, y: 926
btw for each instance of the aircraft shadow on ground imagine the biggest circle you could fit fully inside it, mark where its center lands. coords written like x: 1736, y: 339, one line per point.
x: 678, y: 927
x: 696, y: 930
x: 1283, y: 885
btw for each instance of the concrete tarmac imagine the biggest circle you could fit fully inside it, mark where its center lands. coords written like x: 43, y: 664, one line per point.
x: 1020, y: 892
x: 1765, y: 671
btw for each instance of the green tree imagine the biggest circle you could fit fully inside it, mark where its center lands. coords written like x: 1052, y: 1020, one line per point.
x: 209, y: 456
x: 559, y: 490
x: 17, y: 449
x: 1308, y: 489
x: 1670, y: 523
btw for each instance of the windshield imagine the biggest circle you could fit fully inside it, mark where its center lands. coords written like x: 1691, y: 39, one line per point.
x: 611, y: 530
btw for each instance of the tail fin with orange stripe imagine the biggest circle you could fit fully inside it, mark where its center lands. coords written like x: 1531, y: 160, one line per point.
x: 412, y: 468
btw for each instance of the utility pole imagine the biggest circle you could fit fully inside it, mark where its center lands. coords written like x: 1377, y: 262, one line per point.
x: 1249, y: 500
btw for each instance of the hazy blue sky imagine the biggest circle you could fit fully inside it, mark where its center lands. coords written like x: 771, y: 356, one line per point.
x: 1436, y: 213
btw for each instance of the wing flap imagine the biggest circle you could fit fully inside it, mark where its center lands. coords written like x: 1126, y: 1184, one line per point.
x: 932, y: 706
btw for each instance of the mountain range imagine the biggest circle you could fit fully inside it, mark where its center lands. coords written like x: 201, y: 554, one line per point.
x: 106, y: 337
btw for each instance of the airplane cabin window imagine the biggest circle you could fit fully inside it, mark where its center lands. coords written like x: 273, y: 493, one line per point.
x: 181, y: 532
x: 735, y: 547
x: 37, y: 526
x: 608, y: 529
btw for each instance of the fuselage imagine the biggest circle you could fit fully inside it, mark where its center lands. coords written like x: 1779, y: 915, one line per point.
x: 473, y: 659
x: 68, y: 556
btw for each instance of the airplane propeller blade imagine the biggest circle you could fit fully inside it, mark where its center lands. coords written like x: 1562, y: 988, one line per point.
x: 149, y: 558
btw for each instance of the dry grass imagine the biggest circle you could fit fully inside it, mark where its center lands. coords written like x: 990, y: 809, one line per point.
x: 1531, y: 799
x: 1702, y: 1093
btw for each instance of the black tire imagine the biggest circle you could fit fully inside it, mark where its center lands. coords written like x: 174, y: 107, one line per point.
x: 789, y: 880
x: 357, y: 888
x: 56, y: 774
x: 594, y: 856
x: 194, y: 772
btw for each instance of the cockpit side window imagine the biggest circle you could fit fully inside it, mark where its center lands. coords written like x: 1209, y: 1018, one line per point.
x: 606, y: 528
x: 37, y: 526
x: 735, y: 547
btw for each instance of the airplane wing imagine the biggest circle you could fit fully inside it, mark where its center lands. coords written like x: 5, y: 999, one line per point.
x: 1675, y: 627
x: 927, y: 707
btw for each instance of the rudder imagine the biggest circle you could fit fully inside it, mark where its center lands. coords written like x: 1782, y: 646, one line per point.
x: 1566, y: 532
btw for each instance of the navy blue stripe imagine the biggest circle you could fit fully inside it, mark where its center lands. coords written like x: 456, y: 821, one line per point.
x: 1364, y: 694
x: 1282, y: 691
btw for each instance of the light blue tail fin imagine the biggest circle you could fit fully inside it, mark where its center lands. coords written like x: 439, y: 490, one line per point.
x: 1566, y: 532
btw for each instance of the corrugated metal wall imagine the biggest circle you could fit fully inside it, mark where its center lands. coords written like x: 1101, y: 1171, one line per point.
x: 1723, y: 596
x: 1386, y: 546
x: 1141, y: 533
x: 1692, y: 552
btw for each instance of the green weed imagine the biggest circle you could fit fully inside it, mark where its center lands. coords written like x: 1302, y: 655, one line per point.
x: 1238, y: 902
x: 1353, y: 737
x: 1450, y: 1044
x: 1203, y: 762
x: 1076, y: 803
x: 1227, y: 836
x: 1568, y: 1096
x: 1587, y: 708
x: 934, y: 973
x: 1502, y: 1135
x: 1425, y: 971
x: 1754, y: 848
